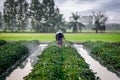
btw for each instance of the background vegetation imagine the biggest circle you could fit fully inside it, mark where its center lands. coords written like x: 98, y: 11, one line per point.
x: 44, y: 16
x: 47, y: 37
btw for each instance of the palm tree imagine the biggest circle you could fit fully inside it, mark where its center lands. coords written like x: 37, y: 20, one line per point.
x: 75, y: 24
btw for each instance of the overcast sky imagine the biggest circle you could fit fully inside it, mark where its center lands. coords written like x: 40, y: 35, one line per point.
x: 85, y: 7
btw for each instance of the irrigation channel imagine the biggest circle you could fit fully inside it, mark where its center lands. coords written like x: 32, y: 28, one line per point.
x: 27, y: 65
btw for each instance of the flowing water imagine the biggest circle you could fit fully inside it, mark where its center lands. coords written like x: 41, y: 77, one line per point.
x: 101, y: 71
x: 27, y: 65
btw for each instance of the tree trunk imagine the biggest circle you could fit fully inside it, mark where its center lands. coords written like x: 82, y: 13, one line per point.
x: 96, y: 30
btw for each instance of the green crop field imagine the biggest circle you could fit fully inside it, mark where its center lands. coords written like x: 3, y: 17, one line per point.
x: 47, y: 37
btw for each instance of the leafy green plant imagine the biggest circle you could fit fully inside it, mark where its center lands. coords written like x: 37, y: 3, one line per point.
x: 60, y: 64
x: 109, y: 53
x: 10, y: 54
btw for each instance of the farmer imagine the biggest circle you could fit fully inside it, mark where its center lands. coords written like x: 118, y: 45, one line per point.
x: 59, y: 38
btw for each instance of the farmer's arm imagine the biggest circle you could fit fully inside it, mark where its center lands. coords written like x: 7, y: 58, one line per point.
x: 56, y: 37
x: 63, y: 37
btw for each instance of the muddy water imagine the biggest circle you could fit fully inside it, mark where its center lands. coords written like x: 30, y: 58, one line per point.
x: 101, y: 71
x: 27, y: 65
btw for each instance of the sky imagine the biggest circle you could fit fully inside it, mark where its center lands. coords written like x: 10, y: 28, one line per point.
x: 85, y: 7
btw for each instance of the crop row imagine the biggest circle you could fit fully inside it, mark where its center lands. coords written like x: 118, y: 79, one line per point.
x: 60, y: 64
x: 9, y: 54
x: 107, y: 53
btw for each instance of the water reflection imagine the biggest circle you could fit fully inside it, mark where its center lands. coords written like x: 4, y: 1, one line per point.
x: 101, y: 71
x: 23, y: 64
x: 27, y: 65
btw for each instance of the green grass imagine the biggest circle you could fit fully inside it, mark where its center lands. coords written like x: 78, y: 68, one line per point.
x: 93, y: 37
x: 27, y: 36
x: 93, y: 31
x: 47, y: 37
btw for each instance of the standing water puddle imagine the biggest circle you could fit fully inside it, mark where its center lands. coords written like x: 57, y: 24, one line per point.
x: 27, y: 65
x: 101, y: 71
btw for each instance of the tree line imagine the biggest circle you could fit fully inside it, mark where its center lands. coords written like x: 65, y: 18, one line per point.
x: 43, y: 16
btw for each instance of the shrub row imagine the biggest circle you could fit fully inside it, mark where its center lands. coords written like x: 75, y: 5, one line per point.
x: 9, y: 54
x: 60, y: 64
x: 2, y: 42
x: 108, y: 53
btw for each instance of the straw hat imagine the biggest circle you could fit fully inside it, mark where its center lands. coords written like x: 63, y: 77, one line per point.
x: 59, y: 31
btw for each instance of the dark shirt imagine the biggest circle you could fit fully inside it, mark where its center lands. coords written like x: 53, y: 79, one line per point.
x: 59, y: 36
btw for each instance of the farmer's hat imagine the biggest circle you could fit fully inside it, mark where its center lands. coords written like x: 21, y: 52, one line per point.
x: 59, y: 31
